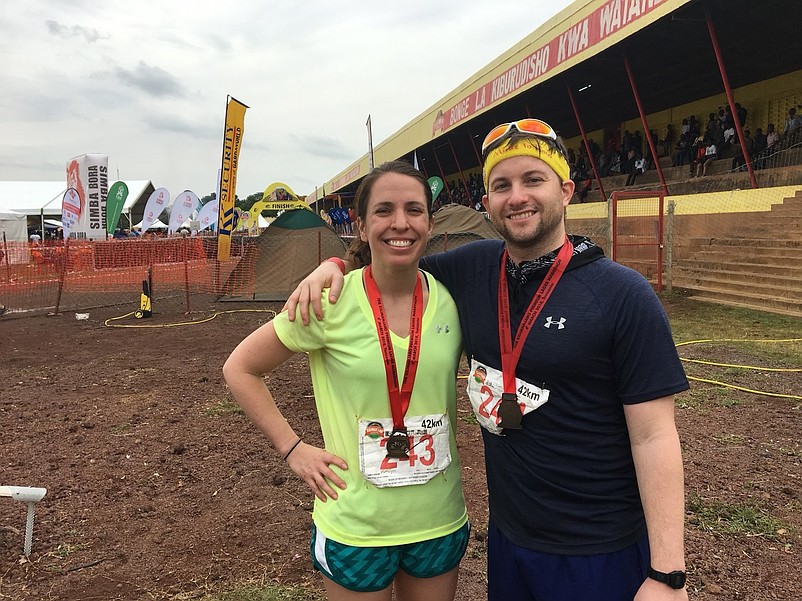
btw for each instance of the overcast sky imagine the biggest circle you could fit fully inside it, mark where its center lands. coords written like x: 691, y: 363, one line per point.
x: 146, y: 82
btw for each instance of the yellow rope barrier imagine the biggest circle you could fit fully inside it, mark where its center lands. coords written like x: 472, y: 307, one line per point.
x: 183, y: 323
x: 751, y: 367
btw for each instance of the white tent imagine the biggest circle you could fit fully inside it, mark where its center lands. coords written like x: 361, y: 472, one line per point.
x: 156, y: 225
x: 44, y: 198
x: 13, y: 226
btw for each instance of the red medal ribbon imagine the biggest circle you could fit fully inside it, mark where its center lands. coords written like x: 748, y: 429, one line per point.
x: 511, y: 352
x: 399, y: 398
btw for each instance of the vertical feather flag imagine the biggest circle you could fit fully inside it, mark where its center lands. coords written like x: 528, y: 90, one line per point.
x: 232, y: 141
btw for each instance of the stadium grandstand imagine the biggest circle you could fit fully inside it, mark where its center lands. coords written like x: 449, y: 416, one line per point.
x: 616, y: 75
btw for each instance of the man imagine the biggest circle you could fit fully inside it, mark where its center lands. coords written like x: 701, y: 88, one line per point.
x: 793, y: 125
x: 583, y: 461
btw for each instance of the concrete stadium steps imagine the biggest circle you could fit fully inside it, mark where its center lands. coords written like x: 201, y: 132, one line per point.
x: 758, y: 267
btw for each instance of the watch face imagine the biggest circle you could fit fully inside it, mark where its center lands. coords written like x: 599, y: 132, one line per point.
x: 676, y: 579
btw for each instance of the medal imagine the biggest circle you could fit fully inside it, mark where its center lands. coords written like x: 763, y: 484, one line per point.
x: 509, y: 412
x: 398, y: 445
x: 400, y: 396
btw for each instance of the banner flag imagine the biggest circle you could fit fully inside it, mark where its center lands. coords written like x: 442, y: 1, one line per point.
x: 208, y: 215
x: 182, y: 209
x: 118, y: 192
x: 156, y: 204
x: 232, y: 141
x: 88, y: 175
x: 70, y: 211
x: 437, y: 185
x: 370, y: 143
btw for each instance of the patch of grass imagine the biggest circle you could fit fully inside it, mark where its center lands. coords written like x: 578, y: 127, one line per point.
x: 703, y: 397
x: 729, y: 438
x: 223, y: 407
x: 468, y: 417
x: 119, y: 429
x: 729, y: 402
x: 732, y: 518
x: 694, y: 320
x: 65, y: 550
x: 271, y: 592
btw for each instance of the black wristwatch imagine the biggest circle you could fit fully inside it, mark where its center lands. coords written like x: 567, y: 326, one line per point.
x: 675, y: 579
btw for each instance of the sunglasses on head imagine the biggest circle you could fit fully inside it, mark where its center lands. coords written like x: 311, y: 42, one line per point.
x: 536, y: 127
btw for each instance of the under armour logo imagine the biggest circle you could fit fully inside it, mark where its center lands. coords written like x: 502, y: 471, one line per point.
x: 443, y: 328
x: 560, y: 323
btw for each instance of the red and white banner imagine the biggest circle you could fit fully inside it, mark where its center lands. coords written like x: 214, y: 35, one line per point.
x: 182, y: 209
x: 208, y: 215
x: 70, y: 211
x: 87, y: 174
x: 156, y: 204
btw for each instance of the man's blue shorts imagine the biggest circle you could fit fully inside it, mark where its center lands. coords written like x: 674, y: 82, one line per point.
x: 524, y: 575
x: 368, y: 569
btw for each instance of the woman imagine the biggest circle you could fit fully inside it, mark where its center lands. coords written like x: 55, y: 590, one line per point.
x: 383, y: 360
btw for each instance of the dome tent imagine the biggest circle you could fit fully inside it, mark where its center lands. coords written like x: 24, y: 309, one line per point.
x: 282, y: 255
x: 455, y: 225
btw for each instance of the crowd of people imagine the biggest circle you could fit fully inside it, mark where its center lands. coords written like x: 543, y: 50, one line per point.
x: 694, y: 145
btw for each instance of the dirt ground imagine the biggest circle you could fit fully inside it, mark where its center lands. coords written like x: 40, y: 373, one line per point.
x: 158, y: 488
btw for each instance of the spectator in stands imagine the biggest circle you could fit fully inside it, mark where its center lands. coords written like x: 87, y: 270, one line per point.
x: 772, y: 138
x: 711, y: 154
x: 739, y: 156
x: 712, y: 124
x: 685, y: 127
x: 699, y: 149
x: 759, y: 143
x: 683, y: 153
x: 610, y: 154
x: 793, y: 127
x: 741, y: 111
x: 668, y: 141
x: 759, y: 149
x: 693, y: 126
x: 629, y: 166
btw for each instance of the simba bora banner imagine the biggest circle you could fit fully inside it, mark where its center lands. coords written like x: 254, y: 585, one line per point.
x: 88, y: 175
x: 232, y: 141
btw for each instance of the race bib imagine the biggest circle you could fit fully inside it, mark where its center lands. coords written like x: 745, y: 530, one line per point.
x: 485, y: 386
x: 429, y: 450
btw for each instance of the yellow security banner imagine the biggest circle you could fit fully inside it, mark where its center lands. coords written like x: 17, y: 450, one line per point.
x: 232, y: 141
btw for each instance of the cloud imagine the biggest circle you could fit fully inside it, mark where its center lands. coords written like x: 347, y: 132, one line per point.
x: 152, y: 80
x: 63, y: 31
x: 170, y: 123
x: 324, y: 147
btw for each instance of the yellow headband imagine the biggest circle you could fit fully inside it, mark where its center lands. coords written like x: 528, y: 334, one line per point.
x: 531, y: 147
